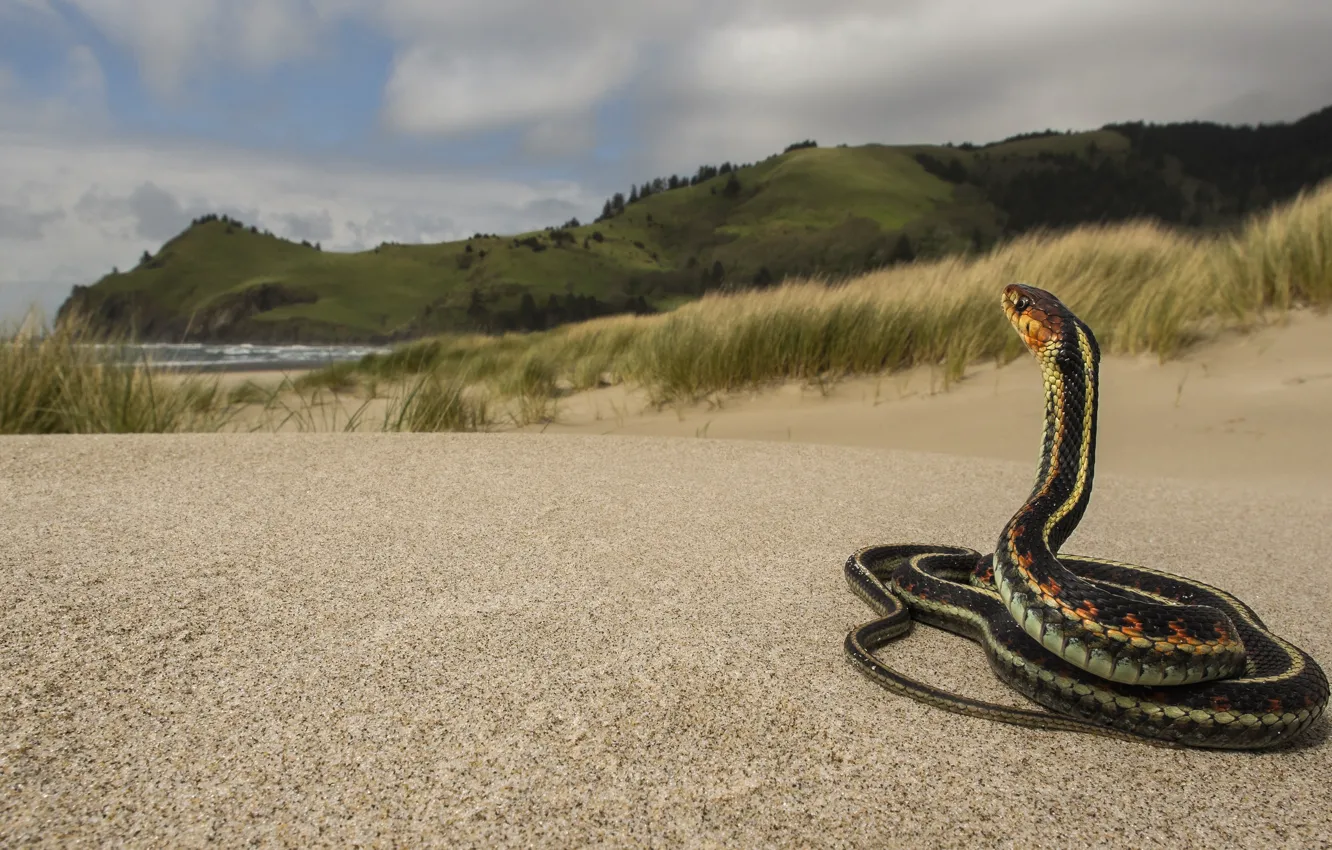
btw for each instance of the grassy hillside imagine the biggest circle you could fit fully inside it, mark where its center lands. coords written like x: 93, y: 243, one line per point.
x: 1142, y: 287
x: 810, y: 209
x: 809, y: 212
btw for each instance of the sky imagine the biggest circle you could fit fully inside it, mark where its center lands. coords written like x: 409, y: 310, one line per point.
x: 353, y: 122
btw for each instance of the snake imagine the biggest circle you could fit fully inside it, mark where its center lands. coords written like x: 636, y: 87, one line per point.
x: 1102, y: 647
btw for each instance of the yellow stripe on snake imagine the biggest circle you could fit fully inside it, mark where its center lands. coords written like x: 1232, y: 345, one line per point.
x: 1111, y: 649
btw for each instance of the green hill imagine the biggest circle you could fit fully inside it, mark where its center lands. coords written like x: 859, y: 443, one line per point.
x: 809, y: 211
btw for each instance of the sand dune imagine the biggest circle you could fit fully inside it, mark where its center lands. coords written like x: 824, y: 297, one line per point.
x: 1256, y: 406
x: 562, y: 639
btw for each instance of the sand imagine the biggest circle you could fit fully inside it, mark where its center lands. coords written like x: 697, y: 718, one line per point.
x: 1255, y: 406
x: 565, y: 639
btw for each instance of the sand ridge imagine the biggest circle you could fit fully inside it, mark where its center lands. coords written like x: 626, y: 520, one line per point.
x: 555, y: 640
x: 1256, y: 406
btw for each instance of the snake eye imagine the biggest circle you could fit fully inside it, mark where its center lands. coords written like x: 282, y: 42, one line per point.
x: 1022, y: 303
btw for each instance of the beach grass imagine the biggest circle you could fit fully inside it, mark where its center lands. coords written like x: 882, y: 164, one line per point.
x: 1142, y: 287
x: 433, y: 402
x: 69, y: 380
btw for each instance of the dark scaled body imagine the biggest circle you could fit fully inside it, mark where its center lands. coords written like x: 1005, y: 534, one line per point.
x: 1281, y: 692
x: 1112, y: 649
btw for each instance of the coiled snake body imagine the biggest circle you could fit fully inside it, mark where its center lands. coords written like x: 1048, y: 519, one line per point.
x: 1112, y: 649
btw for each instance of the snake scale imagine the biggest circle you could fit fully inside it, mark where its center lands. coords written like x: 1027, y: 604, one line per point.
x: 1108, y: 648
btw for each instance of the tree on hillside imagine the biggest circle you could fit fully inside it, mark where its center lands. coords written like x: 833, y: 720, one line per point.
x: 977, y: 240
x: 528, y: 317
x: 477, y: 311
x: 902, y: 251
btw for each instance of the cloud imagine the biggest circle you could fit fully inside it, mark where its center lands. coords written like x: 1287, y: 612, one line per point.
x: 560, y: 137
x: 147, y: 212
x: 158, y: 215
x: 30, y: 12
x: 401, y: 223
x: 735, y: 80
x: 104, y: 203
x: 312, y: 227
x: 553, y: 210
x: 438, y: 90
x: 73, y: 98
x: 966, y: 71
x: 176, y: 41
x: 18, y: 222
x: 597, y: 93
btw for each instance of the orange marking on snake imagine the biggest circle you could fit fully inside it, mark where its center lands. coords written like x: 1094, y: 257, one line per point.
x: 1050, y: 588
x: 1132, y: 626
x: 1181, y: 633
x: 1088, y: 611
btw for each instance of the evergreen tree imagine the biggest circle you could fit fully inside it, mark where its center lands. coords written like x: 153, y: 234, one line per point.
x: 718, y: 272
x: 528, y: 318
x: 476, y: 310
x: 902, y: 251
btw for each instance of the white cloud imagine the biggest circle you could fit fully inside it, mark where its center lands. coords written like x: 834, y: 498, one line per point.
x: 979, y: 71
x: 735, y: 80
x: 23, y: 222
x: 175, y: 40
x: 562, y: 136
x: 85, y: 80
x: 76, y: 99
x: 29, y: 10
x: 435, y: 89
x: 69, y: 210
x: 693, y: 82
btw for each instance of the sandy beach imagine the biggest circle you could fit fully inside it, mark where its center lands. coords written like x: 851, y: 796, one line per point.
x: 630, y: 633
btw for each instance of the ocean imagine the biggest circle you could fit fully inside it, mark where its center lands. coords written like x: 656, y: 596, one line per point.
x: 219, y: 357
